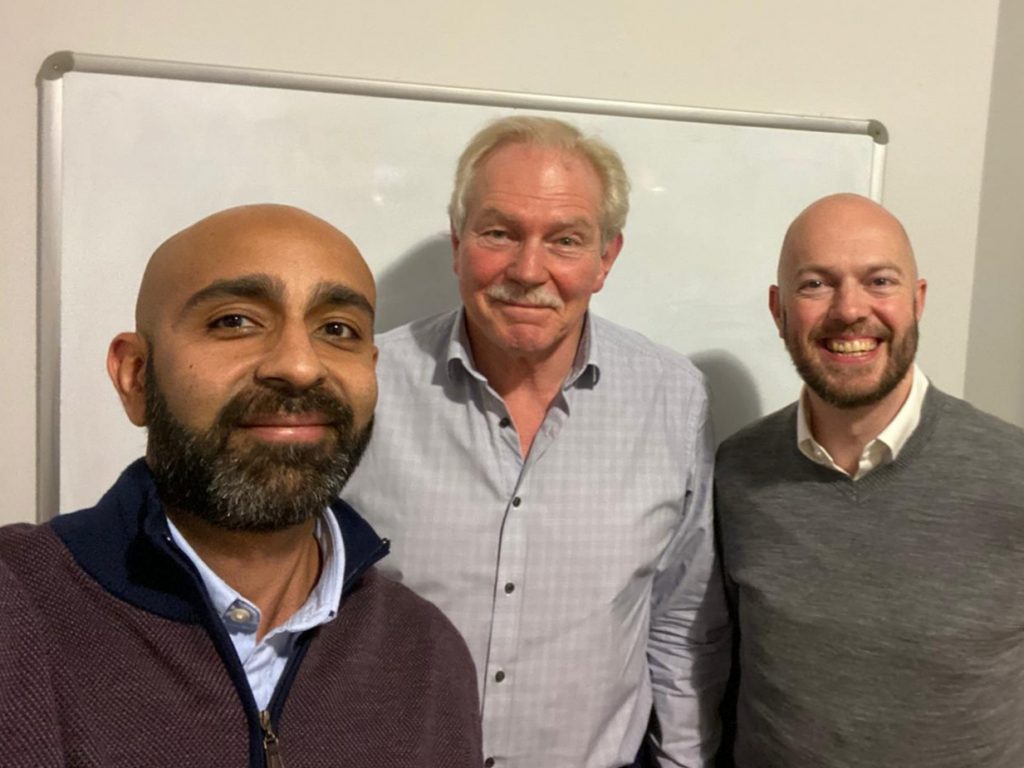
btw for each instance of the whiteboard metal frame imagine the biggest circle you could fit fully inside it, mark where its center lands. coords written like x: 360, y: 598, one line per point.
x: 50, y: 191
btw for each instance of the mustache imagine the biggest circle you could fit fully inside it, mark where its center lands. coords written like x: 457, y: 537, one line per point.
x: 263, y: 400
x: 834, y: 328
x: 537, y: 297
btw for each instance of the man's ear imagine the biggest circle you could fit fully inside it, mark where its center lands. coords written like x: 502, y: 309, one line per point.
x: 455, y: 247
x: 775, y: 305
x: 611, y: 252
x: 126, y: 366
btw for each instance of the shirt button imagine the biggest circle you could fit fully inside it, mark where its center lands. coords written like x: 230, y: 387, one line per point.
x: 239, y: 615
x: 516, y: 501
x: 510, y: 588
x: 489, y: 762
x: 499, y: 676
x: 503, y: 423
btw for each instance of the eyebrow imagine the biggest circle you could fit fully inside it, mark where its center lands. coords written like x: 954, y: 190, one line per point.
x: 824, y: 269
x: 262, y: 287
x: 490, y: 214
x: 338, y: 295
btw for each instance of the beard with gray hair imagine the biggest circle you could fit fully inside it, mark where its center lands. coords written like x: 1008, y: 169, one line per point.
x: 259, y: 487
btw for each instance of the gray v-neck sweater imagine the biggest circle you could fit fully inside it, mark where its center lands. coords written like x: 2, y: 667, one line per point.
x: 881, y: 621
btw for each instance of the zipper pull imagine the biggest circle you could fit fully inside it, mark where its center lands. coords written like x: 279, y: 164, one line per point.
x: 271, y: 745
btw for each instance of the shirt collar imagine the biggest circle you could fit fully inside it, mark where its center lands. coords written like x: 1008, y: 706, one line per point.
x: 885, y: 447
x: 585, y: 366
x: 320, y: 607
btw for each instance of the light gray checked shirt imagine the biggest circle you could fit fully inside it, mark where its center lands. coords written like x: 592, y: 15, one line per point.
x: 582, y: 577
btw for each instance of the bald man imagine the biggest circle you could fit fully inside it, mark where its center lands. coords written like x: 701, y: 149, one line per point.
x: 219, y: 606
x: 872, y: 532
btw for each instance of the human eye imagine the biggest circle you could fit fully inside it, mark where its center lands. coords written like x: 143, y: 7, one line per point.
x: 495, y: 236
x: 569, y: 243
x: 337, y: 329
x: 812, y: 286
x: 231, y: 322
x: 883, y: 283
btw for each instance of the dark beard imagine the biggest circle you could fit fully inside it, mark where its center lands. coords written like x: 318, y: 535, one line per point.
x: 259, y: 486
x: 900, y: 359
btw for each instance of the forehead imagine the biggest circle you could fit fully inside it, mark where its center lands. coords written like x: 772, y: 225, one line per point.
x: 526, y: 172
x: 847, y: 243
x: 300, y: 261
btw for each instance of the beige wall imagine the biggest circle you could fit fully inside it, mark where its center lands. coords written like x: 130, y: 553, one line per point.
x: 921, y: 67
x: 995, y: 372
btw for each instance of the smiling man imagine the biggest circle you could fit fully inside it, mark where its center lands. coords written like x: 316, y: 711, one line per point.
x: 546, y: 475
x: 872, y: 532
x: 219, y: 606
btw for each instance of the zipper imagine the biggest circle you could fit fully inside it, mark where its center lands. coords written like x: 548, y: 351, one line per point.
x: 271, y: 744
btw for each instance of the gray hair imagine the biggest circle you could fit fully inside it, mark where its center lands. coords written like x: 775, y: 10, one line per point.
x: 551, y: 133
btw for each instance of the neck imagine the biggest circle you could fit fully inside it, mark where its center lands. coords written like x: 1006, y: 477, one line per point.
x: 845, y: 432
x: 275, y: 570
x: 526, y: 382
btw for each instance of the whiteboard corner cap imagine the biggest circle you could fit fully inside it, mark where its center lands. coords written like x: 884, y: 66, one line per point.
x: 56, y: 64
x: 878, y: 131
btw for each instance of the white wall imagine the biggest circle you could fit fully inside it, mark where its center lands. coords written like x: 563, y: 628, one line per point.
x: 923, y: 68
x: 995, y: 372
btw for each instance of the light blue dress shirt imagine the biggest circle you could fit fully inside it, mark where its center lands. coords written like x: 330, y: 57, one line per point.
x: 583, y: 575
x: 264, y: 661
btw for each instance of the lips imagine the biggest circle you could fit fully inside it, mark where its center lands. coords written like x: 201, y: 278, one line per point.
x: 288, y: 427
x: 287, y: 420
x: 858, y: 346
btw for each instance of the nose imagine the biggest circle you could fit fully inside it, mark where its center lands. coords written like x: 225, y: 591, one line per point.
x: 848, y: 304
x: 528, y: 265
x: 291, y: 361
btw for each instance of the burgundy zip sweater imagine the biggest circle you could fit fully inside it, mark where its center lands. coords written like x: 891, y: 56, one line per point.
x: 110, y: 655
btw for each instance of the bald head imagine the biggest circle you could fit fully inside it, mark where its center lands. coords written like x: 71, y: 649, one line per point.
x: 226, y: 241
x: 847, y: 304
x: 843, y: 219
x: 260, y: 295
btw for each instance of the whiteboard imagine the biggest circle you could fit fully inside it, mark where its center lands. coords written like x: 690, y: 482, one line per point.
x: 133, y: 150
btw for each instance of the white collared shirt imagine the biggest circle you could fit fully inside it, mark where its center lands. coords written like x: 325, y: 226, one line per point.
x: 884, y: 448
x: 264, y: 662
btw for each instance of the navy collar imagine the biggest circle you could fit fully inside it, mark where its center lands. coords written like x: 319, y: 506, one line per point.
x: 124, y: 544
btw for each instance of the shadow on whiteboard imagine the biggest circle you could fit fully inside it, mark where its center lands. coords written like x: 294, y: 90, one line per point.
x: 735, y: 400
x: 418, y: 284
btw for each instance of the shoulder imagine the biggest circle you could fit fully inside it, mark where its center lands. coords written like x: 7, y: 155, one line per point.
x: 28, y: 551
x: 29, y: 728
x: 419, y: 615
x: 622, y: 347
x: 411, y: 357
x: 428, y: 334
x: 975, y: 428
x: 397, y: 620
x: 25, y: 552
x: 764, y: 437
x: 36, y: 579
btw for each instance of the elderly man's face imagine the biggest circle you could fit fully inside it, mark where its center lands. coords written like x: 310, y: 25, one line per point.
x: 848, y: 302
x: 258, y: 387
x: 530, y: 255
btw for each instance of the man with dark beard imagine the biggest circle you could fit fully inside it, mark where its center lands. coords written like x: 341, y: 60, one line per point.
x: 219, y: 606
x: 872, y: 532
